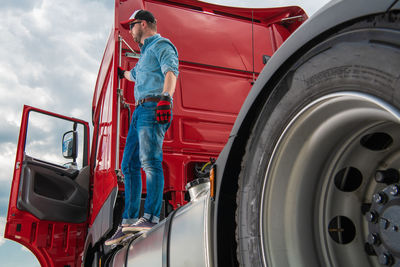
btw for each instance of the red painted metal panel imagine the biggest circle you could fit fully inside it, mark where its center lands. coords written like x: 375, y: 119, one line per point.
x: 213, y: 90
x: 104, y: 177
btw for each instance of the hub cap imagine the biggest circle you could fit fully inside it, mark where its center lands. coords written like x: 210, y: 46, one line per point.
x: 329, y: 194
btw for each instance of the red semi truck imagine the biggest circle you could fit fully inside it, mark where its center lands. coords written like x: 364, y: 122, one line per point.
x: 307, y: 171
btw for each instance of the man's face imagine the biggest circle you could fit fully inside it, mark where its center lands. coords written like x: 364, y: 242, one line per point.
x: 136, y: 31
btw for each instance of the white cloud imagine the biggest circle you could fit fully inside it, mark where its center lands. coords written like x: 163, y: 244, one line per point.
x: 39, y: 17
x: 50, y: 54
x: 2, y: 229
x: 7, y: 160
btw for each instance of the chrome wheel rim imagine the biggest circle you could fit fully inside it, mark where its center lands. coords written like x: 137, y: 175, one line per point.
x: 319, y: 178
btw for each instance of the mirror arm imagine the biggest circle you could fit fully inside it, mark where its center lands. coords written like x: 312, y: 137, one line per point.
x: 75, y: 143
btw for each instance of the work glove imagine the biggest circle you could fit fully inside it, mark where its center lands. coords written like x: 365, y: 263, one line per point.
x: 121, y: 73
x: 163, y: 109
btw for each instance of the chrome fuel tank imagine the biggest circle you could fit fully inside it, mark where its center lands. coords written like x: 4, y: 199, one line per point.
x: 182, y: 239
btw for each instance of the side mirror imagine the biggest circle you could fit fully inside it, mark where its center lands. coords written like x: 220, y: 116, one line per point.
x: 70, y: 145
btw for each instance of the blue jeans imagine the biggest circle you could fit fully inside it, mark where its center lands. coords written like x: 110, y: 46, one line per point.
x: 143, y: 149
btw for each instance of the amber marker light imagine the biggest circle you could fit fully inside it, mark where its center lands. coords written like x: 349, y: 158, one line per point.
x: 212, y: 182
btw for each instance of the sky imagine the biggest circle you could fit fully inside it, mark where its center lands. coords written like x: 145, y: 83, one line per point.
x: 50, y: 53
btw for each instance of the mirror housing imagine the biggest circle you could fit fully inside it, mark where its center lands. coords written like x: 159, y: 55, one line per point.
x: 70, y: 145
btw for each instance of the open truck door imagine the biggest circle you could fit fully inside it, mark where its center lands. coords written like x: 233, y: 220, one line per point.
x: 49, y: 199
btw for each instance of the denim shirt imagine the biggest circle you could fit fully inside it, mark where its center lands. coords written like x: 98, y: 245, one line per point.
x: 158, y: 56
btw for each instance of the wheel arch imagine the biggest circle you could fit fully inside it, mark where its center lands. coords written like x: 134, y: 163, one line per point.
x: 332, y: 18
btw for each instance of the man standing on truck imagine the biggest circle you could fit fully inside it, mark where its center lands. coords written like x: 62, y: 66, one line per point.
x: 155, y: 76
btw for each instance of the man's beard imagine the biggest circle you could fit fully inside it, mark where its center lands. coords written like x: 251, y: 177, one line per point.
x: 138, y: 36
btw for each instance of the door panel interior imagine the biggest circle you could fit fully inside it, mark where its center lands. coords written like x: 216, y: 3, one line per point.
x: 52, y: 192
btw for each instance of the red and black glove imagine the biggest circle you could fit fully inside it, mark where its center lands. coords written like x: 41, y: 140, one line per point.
x: 163, y: 109
x: 121, y: 73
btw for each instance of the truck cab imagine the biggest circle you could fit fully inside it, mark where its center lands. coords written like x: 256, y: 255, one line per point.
x: 68, y: 189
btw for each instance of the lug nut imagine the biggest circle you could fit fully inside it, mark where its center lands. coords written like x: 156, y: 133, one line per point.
x: 379, y: 198
x: 373, y: 239
x: 372, y: 216
x: 385, y: 259
x: 394, y: 190
x: 384, y: 223
x: 388, y: 176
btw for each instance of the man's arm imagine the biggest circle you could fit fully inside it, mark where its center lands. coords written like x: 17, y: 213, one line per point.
x: 169, y: 83
x: 167, y: 56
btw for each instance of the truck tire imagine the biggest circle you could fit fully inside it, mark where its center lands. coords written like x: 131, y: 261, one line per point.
x: 319, y: 180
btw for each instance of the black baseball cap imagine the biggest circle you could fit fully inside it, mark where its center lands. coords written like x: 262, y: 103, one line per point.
x: 140, y: 14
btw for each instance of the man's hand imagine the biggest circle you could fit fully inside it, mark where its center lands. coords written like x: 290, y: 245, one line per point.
x: 163, y: 109
x: 121, y: 73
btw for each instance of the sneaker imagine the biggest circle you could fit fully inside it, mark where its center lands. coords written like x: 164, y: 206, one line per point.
x: 117, y: 237
x: 142, y: 224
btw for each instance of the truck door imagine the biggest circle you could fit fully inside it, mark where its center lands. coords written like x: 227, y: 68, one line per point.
x: 49, y: 199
